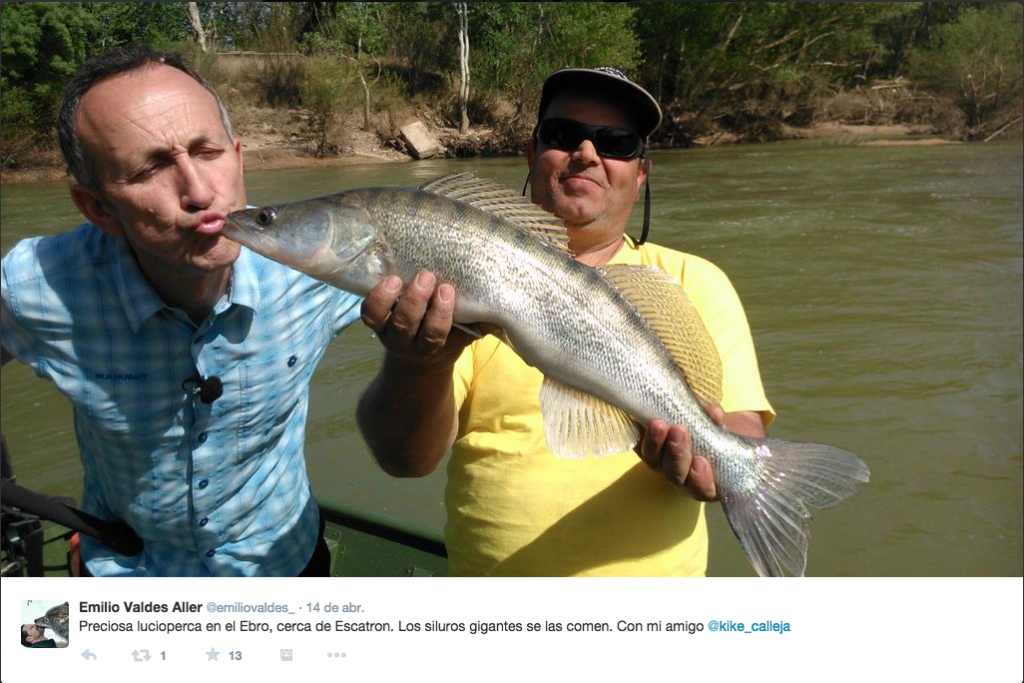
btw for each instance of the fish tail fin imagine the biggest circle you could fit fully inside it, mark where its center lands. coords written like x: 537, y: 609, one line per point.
x: 771, y: 519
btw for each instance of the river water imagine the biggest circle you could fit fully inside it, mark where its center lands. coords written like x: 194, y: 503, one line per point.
x: 884, y: 290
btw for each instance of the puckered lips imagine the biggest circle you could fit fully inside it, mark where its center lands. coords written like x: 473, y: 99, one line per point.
x: 209, y: 222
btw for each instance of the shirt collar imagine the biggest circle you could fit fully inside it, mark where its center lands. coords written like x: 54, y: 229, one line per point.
x: 245, y: 281
x: 140, y: 301
x: 622, y: 255
x: 138, y: 298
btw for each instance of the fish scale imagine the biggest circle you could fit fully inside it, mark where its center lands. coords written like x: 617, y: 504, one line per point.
x: 606, y: 368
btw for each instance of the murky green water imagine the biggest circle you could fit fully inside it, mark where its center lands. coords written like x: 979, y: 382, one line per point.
x: 884, y: 290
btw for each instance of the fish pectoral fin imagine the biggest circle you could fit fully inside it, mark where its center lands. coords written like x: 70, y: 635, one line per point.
x: 577, y: 423
x: 676, y: 321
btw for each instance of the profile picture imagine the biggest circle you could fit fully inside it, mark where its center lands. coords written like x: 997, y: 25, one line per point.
x: 44, y: 623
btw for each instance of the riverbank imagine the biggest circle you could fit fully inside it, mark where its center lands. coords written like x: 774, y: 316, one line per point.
x: 268, y: 146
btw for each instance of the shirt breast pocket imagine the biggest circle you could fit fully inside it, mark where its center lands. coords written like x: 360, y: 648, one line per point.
x: 273, y: 387
x: 138, y: 406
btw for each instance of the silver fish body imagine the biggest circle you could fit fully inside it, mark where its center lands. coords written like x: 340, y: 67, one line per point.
x: 572, y: 323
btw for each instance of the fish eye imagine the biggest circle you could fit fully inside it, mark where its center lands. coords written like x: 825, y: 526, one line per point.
x: 266, y: 216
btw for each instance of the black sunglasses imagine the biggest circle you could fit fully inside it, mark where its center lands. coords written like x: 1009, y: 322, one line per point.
x: 609, y: 141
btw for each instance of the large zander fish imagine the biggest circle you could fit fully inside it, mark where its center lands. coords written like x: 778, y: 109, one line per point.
x: 619, y: 346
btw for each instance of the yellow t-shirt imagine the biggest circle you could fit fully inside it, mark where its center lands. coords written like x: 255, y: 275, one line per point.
x: 514, y: 508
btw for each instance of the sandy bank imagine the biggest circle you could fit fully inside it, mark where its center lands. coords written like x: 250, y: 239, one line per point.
x: 265, y: 149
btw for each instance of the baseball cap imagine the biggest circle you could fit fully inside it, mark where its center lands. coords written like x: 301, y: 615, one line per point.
x: 609, y: 83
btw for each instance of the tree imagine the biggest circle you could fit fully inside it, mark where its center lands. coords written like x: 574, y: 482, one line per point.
x: 420, y: 36
x: 197, y: 25
x: 979, y: 62
x: 750, y: 66
x: 520, y: 43
x: 691, y: 49
x: 352, y: 31
x: 914, y: 28
x: 323, y: 89
x: 42, y: 45
x: 123, y: 23
x: 462, y: 9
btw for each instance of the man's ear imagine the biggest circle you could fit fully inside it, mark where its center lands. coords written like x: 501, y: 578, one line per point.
x: 645, y: 168
x: 95, y: 208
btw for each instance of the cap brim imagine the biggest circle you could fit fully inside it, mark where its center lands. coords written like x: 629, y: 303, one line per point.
x: 644, y: 107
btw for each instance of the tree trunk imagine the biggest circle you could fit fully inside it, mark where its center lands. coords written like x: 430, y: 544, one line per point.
x: 197, y: 25
x: 366, y: 86
x: 462, y: 9
x: 366, y: 101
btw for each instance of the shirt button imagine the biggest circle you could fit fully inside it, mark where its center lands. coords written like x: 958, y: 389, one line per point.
x: 204, y: 483
x: 204, y: 521
x: 292, y: 361
x: 203, y: 437
x: 211, y: 553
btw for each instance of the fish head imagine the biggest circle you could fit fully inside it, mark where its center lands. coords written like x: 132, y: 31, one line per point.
x: 317, y: 236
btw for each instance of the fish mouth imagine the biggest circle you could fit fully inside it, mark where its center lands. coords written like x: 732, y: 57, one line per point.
x: 308, y: 255
x: 257, y: 239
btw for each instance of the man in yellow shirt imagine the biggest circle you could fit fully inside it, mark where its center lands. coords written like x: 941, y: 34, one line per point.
x: 513, y: 507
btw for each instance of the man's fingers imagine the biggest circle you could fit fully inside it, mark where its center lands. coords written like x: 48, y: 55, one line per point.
x: 415, y: 324
x: 678, y: 455
x: 408, y: 313
x: 378, y: 303
x: 651, y: 445
x: 437, y: 321
x: 669, y: 450
x: 717, y: 415
x: 701, y: 480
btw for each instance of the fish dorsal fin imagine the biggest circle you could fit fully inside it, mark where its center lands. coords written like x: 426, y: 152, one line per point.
x: 493, y: 197
x: 676, y: 321
x: 577, y: 423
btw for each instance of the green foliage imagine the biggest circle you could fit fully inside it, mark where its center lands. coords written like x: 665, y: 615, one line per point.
x: 326, y: 85
x: 278, y: 73
x: 42, y: 44
x: 515, y: 45
x: 352, y: 29
x: 978, y: 61
x: 914, y: 26
x: 391, y: 105
x: 421, y: 37
x: 124, y: 23
x: 737, y: 64
x: 692, y: 50
x: 752, y: 66
x: 239, y: 25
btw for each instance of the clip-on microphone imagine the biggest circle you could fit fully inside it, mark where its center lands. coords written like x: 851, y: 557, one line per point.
x: 208, y: 389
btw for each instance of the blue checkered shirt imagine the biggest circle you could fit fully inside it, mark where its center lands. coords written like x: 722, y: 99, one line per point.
x: 212, y: 489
